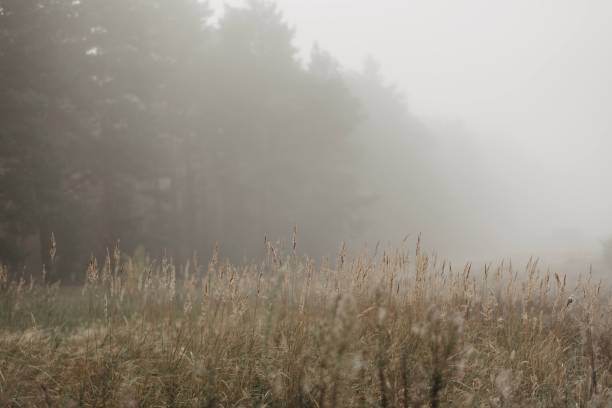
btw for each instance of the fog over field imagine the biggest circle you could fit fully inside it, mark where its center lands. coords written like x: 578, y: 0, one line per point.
x: 305, y: 203
x: 484, y: 126
x: 526, y: 85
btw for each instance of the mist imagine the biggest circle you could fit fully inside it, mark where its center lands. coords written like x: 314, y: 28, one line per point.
x: 174, y: 127
x: 521, y: 90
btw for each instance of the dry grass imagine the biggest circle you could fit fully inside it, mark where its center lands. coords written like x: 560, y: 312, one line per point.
x: 396, y: 329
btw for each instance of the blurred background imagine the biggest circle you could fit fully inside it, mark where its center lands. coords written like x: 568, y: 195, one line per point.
x: 172, y: 125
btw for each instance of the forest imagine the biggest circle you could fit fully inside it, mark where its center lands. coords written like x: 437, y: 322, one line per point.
x: 150, y: 124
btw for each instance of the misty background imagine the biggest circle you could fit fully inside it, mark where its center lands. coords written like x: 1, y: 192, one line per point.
x: 173, y: 125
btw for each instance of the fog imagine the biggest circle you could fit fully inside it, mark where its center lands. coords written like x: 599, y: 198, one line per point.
x: 529, y: 83
x: 175, y: 126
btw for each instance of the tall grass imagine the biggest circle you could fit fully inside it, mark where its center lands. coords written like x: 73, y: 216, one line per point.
x: 399, y: 328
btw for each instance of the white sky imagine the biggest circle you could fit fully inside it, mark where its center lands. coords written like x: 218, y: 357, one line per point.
x: 535, y: 76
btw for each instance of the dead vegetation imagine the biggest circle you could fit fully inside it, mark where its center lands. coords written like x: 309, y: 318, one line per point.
x: 393, y: 328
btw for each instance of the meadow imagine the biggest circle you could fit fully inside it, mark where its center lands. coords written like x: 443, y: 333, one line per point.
x: 384, y: 327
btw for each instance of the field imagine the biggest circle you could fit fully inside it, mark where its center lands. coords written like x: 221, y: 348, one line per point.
x: 379, y: 327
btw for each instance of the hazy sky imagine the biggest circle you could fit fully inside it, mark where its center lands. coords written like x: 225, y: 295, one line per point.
x: 532, y: 80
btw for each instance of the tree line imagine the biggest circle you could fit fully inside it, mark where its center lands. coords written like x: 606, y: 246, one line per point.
x: 150, y: 122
